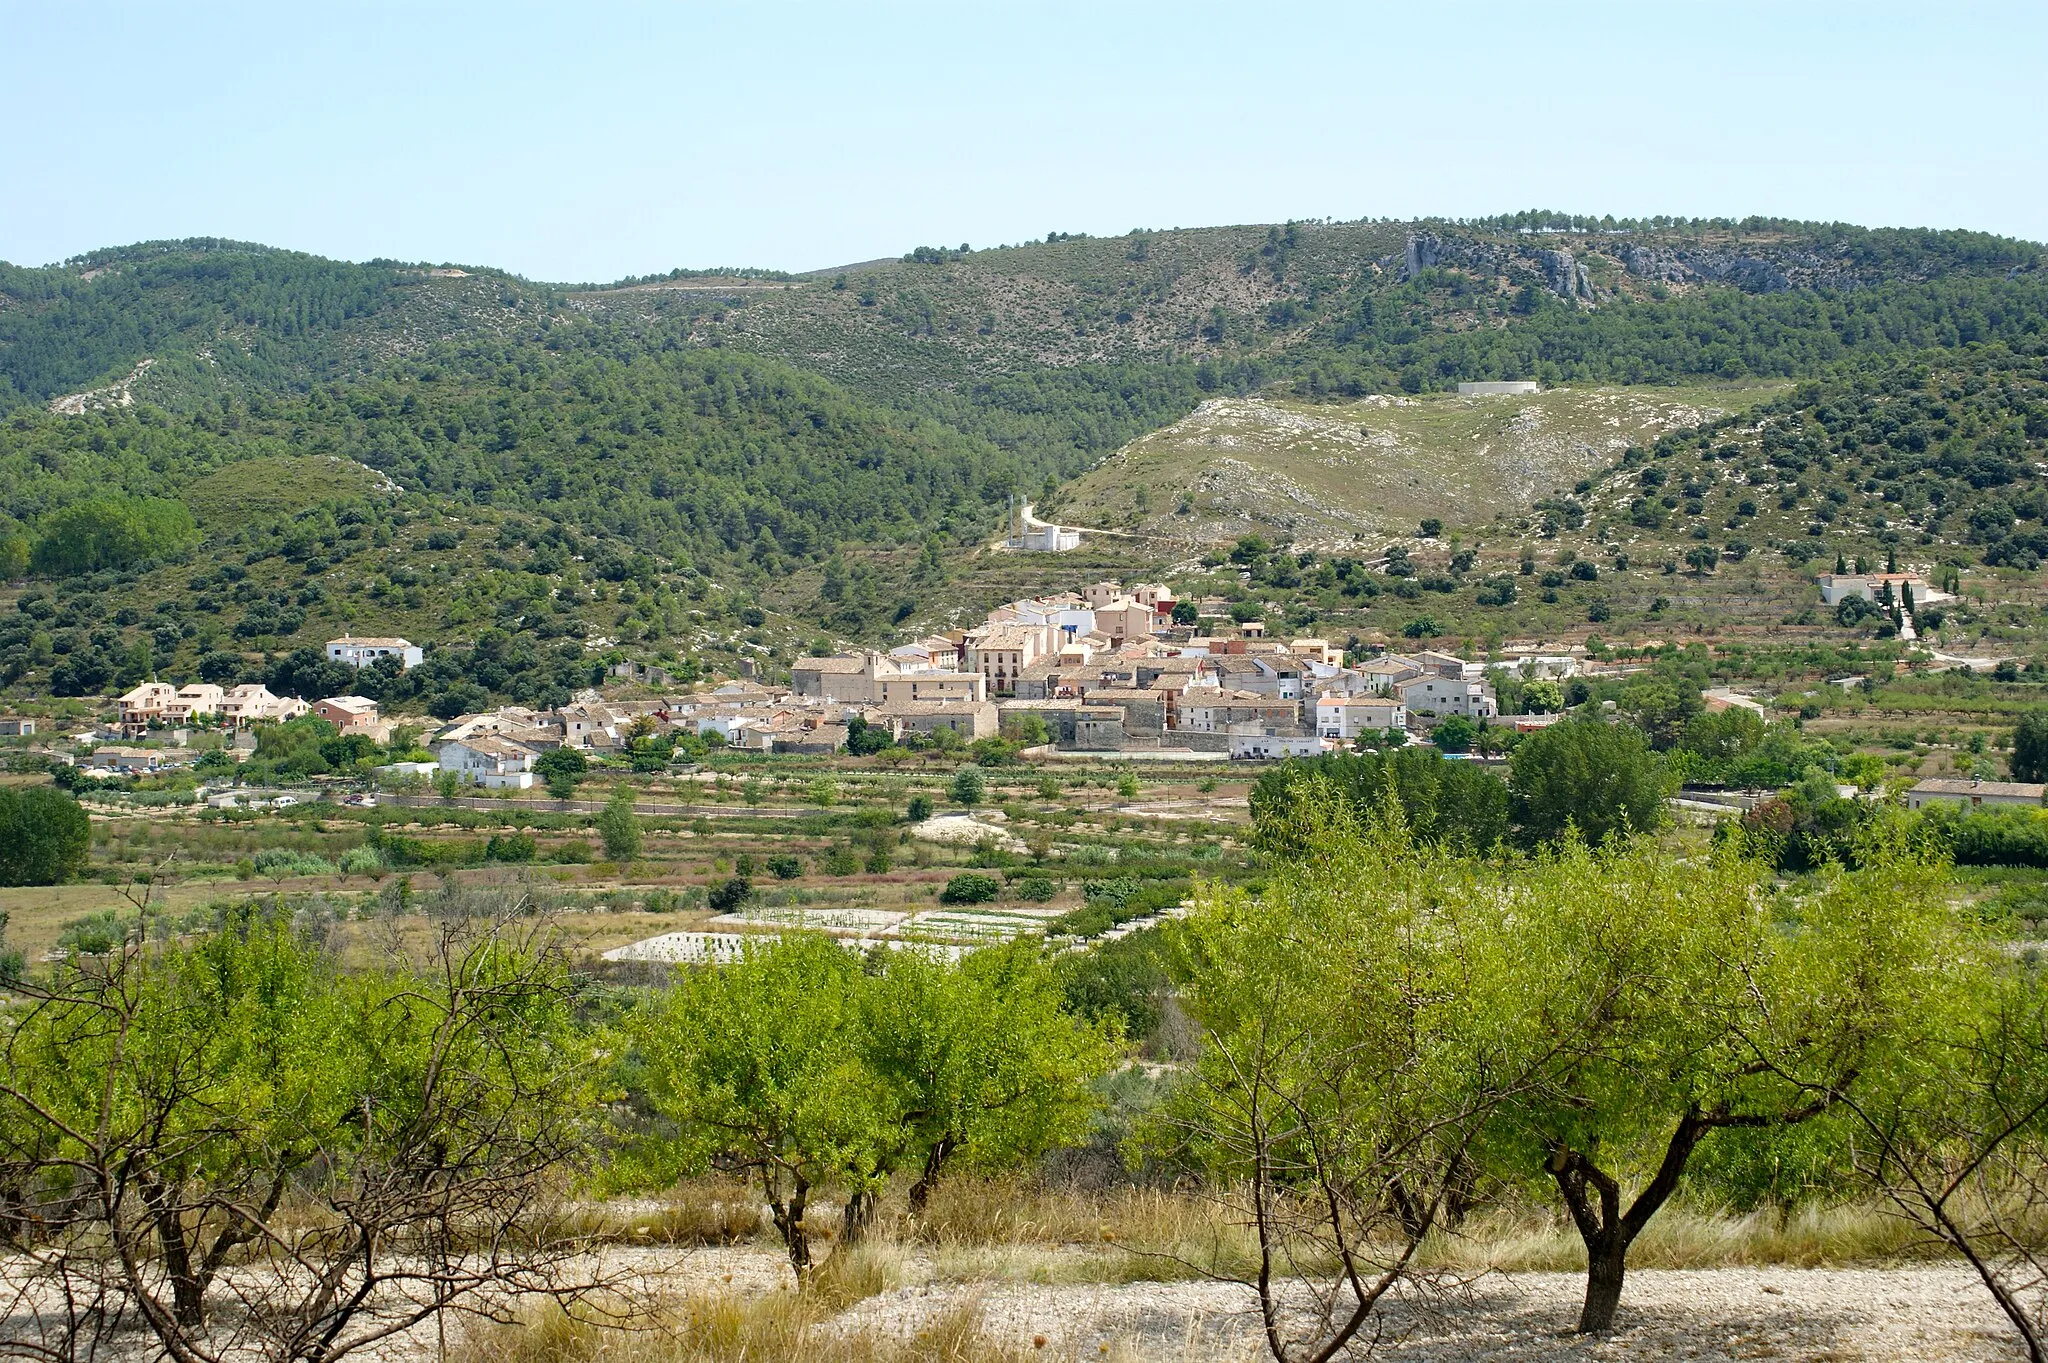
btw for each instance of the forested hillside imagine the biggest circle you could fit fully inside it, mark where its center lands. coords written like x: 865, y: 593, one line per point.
x: 212, y: 450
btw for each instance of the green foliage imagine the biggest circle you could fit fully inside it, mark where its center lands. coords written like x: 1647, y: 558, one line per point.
x: 968, y: 785
x: 1455, y: 734
x: 619, y: 826
x: 1600, y: 779
x: 1457, y: 803
x: 2030, y: 747
x: 969, y: 888
x: 919, y: 809
x: 800, y: 1069
x: 561, y: 768
x: 239, y: 1065
x: 111, y: 532
x: 730, y: 895
x: 45, y: 838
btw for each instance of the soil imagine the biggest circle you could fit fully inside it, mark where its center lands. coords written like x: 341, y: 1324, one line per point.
x: 1886, y: 1315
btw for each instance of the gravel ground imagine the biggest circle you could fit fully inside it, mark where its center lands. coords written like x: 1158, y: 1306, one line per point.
x: 1838, y: 1315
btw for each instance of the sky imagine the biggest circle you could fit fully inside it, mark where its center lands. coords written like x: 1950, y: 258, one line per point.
x: 587, y: 142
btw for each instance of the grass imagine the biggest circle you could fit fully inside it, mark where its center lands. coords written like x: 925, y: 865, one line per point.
x: 730, y: 1329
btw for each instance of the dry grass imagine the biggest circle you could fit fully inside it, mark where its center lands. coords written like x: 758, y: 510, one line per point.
x: 781, y: 1328
x: 1529, y: 1240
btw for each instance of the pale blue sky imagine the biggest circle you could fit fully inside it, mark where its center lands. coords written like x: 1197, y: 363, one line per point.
x: 588, y: 141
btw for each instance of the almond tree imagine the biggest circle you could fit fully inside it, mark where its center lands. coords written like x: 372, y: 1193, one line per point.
x: 1696, y: 1000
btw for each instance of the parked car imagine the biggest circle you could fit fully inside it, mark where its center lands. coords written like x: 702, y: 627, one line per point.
x: 360, y: 801
x: 283, y: 800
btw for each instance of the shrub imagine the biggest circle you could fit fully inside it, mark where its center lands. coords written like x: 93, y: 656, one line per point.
x: 1036, y: 889
x: 785, y: 868
x: 969, y: 888
x: 919, y: 809
x: 513, y: 847
x: 728, y: 896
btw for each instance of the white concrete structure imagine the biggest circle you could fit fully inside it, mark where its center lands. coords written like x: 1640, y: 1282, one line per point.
x: 1498, y: 389
x: 1442, y: 696
x: 1838, y: 587
x: 362, y: 652
x: 1351, y: 717
x: 489, y: 761
x: 1255, y: 742
x: 1031, y: 535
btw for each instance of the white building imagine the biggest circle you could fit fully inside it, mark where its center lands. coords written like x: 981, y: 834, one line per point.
x: 1032, y: 535
x: 362, y: 652
x: 1350, y: 717
x: 489, y: 761
x: 1252, y: 741
x: 1501, y: 388
x: 1838, y: 587
x: 1435, y: 695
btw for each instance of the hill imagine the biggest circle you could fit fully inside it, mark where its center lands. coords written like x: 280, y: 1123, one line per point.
x: 1337, y: 473
x: 736, y: 464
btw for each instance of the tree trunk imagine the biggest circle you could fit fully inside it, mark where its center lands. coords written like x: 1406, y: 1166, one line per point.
x: 188, y: 1291
x: 858, y: 1218
x: 1606, y: 1265
x: 789, y: 1221
x: 1593, y: 1197
x: 928, y: 1176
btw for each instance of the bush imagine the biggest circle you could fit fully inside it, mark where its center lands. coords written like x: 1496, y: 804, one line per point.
x: 919, y: 809
x: 729, y: 896
x: 1036, y: 889
x: 968, y: 786
x: 785, y: 868
x: 362, y: 861
x: 511, y: 847
x: 969, y: 888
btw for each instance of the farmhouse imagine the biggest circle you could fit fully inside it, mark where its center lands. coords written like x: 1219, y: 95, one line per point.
x: 1976, y: 793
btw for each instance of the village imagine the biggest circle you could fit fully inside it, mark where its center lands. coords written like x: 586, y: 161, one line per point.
x: 1113, y: 672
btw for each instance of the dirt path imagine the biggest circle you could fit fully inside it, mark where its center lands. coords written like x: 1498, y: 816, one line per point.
x: 1940, y: 1315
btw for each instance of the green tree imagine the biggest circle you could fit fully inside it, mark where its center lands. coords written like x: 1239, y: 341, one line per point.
x: 561, y: 768
x: 968, y: 786
x: 2030, y: 747
x: 1599, y: 778
x: 234, y: 1089
x: 112, y: 532
x: 1186, y: 613
x: 1696, y: 1004
x: 1360, y: 1026
x: 985, y: 1065
x: 1454, y: 734
x: 45, y: 838
x: 619, y: 826
x: 760, y: 1065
